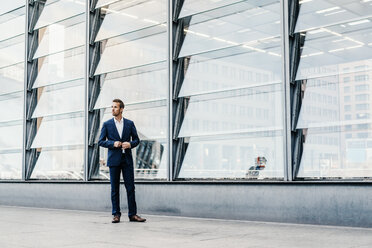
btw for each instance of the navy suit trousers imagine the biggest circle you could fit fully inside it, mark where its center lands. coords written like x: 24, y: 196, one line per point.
x: 128, y: 176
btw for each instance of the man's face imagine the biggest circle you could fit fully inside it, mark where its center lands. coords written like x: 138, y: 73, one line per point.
x: 115, y: 108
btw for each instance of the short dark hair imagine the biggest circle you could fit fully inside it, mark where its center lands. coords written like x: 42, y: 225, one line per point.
x: 119, y: 101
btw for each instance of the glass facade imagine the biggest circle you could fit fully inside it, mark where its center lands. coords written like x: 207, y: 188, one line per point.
x: 12, y: 56
x: 233, y: 81
x: 335, y: 67
x: 236, y: 90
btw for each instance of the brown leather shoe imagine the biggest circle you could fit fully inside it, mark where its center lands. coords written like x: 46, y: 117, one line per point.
x: 116, y: 219
x: 136, y: 218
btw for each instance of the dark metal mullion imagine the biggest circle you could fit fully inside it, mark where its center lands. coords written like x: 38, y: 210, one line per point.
x: 179, y: 103
x: 295, y: 43
x: 30, y: 155
x: 93, y: 50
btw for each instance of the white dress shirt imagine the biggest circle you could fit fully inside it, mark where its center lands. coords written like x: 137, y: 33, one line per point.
x: 120, y: 126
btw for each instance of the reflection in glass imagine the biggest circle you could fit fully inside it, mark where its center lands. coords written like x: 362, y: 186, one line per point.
x: 61, y: 67
x: 335, y: 115
x: 60, y: 164
x: 60, y: 10
x: 233, y: 125
x: 245, y: 24
x: 248, y: 68
x: 60, y: 132
x: 7, y: 6
x: 233, y: 157
x: 341, y: 153
x: 124, y: 17
x: 56, y: 100
x: 10, y: 166
x: 133, y: 53
x: 11, y: 79
x: 11, y: 54
x: 59, y: 84
x: 12, y: 44
x: 320, y: 13
x: 11, y: 136
x: 327, y: 51
x: 192, y: 7
x: 58, y: 38
x: 257, y: 111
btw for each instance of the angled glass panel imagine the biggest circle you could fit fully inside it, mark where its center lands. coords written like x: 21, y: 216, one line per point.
x: 11, y: 136
x: 58, y: 100
x: 12, y: 52
x: 60, y: 86
x: 337, y: 153
x: 60, y: 164
x: 137, y: 88
x: 233, y: 80
x: 327, y: 50
x: 250, y: 67
x: 11, y: 106
x: 133, y: 68
x: 135, y: 53
x: 58, y: 38
x: 7, y: 6
x: 335, y: 67
x: 192, y: 7
x: 11, y: 79
x: 10, y: 166
x: 337, y: 100
x: 123, y: 17
x: 235, y: 157
x: 61, y: 67
x: 244, y: 25
x: 12, y: 24
x: 59, y: 11
x: 54, y: 132
x: 322, y: 13
x: 101, y: 3
x: 251, y: 110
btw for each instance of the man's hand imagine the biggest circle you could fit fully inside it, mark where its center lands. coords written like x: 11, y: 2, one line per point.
x: 117, y: 144
x: 125, y: 145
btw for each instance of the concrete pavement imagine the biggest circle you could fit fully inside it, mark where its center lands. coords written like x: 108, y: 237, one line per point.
x: 35, y: 227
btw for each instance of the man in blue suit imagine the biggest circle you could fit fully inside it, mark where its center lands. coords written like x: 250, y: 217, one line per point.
x: 119, y: 135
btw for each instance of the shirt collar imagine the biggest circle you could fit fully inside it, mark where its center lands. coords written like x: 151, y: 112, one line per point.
x: 119, y: 122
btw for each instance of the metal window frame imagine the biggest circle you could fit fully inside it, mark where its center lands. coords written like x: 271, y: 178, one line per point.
x: 289, y: 171
x: 286, y: 90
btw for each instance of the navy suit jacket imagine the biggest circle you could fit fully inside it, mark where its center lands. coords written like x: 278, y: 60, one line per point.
x: 109, y: 134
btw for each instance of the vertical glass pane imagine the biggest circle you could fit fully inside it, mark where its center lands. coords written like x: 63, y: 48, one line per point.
x: 12, y: 53
x: 233, y: 126
x: 336, y: 69
x: 60, y: 87
x: 133, y: 68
